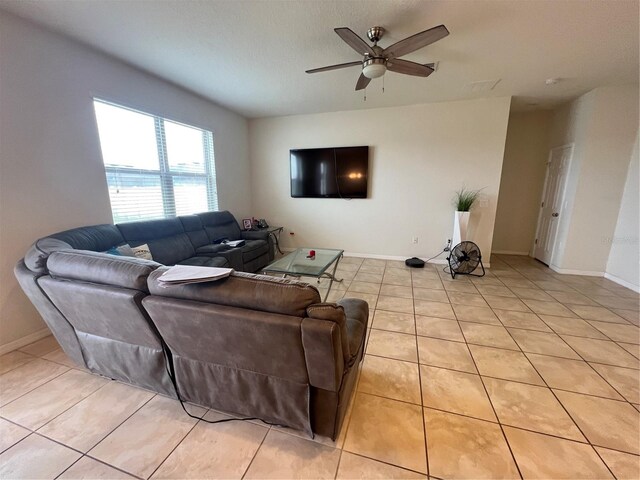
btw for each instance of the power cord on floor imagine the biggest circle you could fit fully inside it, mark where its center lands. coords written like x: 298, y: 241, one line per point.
x: 444, y: 250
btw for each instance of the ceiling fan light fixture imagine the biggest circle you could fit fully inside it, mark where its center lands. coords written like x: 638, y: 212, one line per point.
x: 374, y: 68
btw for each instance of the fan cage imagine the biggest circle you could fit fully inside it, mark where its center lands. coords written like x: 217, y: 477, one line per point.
x: 464, y: 259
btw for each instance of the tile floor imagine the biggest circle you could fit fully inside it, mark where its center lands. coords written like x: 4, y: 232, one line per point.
x: 522, y: 373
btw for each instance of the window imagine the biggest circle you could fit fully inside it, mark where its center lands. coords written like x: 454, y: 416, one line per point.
x: 155, y: 168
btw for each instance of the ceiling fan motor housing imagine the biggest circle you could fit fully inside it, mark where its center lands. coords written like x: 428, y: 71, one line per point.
x: 375, y: 34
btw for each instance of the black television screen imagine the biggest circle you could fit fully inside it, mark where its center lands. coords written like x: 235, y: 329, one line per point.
x: 340, y: 172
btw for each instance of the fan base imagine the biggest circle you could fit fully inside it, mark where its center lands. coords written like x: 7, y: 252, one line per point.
x: 453, y: 274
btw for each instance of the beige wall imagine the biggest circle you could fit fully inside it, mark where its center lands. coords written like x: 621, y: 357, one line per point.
x: 51, y: 172
x: 419, y: 156
x: 623, y: 264
x: 603, y: 125
x: 523, y: 171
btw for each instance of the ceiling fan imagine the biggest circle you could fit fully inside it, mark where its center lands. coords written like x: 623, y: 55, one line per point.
x: 378, y: 60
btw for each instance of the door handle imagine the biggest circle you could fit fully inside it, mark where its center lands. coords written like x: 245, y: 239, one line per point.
x: 555, y: 214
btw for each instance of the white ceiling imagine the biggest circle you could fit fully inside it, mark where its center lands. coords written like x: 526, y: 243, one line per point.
x: 250, y: 55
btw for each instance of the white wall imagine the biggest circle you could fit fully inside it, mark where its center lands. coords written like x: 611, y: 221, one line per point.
x: 419, y: 156
x: 523, y: 171
x: 51, y: 172
x: 623, y: 264
x: 603, y: 125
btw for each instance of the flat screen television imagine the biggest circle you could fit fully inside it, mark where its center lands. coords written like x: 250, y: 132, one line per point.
x: 340, y: 172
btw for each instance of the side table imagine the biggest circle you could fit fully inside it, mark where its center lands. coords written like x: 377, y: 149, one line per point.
x: 275, y: 234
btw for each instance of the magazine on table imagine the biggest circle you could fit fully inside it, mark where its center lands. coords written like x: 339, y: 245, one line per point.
x: 233, y: 243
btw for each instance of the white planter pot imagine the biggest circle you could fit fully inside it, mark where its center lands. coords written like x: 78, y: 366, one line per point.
x: 460, y: 222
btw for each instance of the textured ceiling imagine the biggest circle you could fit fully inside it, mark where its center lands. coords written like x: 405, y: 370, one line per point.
x: 250, y: 55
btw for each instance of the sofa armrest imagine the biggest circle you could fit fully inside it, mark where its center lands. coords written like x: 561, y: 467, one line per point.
x: 260, y: 235
x: 357, y: 318
x: 333, y: 313
x: 255, y: 234
x: 323, y: 353
x: 355, y: 309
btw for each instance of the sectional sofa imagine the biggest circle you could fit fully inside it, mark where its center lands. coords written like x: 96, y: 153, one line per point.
x: 250, y: 345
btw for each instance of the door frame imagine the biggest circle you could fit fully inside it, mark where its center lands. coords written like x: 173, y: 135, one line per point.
x: 563, y: 189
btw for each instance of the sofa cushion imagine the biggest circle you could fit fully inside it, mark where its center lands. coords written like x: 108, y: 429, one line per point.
x: 101, y: 268
x: 244, y: 290
x: 142, y: 251
x: 167, y: 240
x: 194, y: 230
x: 205, y: 262
x: 220, y: 225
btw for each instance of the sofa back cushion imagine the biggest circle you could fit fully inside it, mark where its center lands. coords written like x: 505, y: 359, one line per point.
x: 219, y: 225
x: 244, y: 290
x: 167, y: 240
x: 194, y: 230
x: 101, y: 268
x: 97, y: 238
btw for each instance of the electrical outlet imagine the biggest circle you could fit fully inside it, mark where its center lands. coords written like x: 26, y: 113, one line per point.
x: 414, y: 240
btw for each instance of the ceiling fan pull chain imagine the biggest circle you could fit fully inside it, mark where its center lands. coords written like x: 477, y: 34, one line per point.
x: 365, y: 95
x: 383, y: 84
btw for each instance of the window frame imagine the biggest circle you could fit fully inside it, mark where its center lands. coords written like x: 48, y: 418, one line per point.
x: 164, y: 172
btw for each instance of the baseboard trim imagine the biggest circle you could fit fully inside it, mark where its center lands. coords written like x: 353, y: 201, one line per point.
x: 622, y: 282
x: 26, y: 340
x: 439, y: 261
x: 509, y: 252
x: 568, y: 271
x: 377, y: 257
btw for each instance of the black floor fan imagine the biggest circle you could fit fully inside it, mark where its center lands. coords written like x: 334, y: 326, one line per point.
x: 464, y: 259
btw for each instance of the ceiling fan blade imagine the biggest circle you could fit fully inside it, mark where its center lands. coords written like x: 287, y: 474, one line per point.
x: 354, y: 41
x: 415, y: 42
x: 409, y: 68
x: 334, y: 67
x: 362, y: 82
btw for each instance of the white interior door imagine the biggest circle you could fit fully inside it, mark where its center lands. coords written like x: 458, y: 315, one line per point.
x: 551, y: 204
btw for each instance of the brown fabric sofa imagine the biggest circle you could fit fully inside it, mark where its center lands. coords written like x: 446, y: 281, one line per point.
x: 249, y: 345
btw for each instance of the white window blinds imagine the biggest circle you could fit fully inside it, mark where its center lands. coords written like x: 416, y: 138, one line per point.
x: 155, y: 168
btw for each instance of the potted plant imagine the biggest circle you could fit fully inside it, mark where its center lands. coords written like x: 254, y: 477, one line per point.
x: 463, y: 200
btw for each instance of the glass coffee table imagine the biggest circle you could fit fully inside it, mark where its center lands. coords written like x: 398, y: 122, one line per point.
x: 301, y: 263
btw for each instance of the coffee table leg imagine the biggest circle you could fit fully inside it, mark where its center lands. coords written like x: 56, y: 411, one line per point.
x: 332, y: 277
